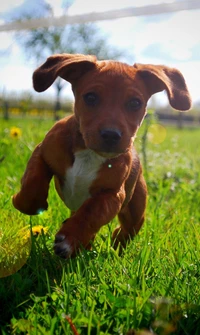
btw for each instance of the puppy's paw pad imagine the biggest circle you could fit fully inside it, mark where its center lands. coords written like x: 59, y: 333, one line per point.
x: 59, y: 238
x: 61, y: 247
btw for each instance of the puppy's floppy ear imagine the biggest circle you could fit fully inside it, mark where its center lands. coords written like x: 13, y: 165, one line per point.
x: 159, y: 77
x: 67, y: 66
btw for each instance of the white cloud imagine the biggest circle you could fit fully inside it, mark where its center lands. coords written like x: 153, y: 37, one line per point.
x: 176, y: 35
x: 9, y: 4
x: 56, y: 5
x: 13, y: 77
x: 18, y: 79
x: 6, y: 40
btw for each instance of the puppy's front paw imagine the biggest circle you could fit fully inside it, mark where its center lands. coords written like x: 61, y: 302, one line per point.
x: 62, y: 247
x: 70, y: 239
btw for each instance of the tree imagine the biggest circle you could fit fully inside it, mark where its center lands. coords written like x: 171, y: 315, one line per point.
x: 81, y: 38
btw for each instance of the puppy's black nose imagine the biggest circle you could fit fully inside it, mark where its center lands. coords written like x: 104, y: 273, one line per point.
x: 111, y: 136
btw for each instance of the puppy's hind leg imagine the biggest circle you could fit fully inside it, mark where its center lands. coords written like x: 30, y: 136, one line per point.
x: 131, y: 216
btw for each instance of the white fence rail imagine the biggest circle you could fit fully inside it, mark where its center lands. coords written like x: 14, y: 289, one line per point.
x: 109, y: 15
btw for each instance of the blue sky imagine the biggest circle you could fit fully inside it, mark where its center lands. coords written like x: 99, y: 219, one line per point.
x: 170, y: 39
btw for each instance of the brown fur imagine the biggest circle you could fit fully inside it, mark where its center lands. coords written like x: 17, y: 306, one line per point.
x: 119, y: 187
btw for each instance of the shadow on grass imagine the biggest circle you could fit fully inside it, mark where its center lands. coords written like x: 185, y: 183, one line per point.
x: 50, y: 287
x: 37, y: 278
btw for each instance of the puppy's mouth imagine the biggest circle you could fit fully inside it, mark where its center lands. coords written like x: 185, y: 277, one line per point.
x: 110, y: 151
x: 108, y: 155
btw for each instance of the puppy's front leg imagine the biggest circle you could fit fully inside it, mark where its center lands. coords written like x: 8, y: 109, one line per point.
x: 79, y: 230
x: 32, y: 198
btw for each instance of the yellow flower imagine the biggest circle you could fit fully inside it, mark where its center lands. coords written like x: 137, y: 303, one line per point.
x: 15, y: 132
x: 37, y: 230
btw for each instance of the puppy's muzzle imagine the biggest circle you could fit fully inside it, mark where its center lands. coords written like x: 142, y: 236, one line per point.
x: 110, y: 138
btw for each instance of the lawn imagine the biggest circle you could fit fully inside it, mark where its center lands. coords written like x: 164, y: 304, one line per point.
x: 152, y: 288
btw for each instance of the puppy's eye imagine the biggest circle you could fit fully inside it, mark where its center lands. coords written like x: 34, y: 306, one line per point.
x: 91, y: 99
x: 134, y: 104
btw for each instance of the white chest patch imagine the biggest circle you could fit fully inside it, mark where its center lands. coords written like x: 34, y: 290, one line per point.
x: 79, y: 178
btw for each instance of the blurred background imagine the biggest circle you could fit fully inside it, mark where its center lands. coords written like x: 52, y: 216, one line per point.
x: 144, y: 31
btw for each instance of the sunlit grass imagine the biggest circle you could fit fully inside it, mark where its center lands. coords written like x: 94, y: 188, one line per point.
x: 14, y: 249
x: 153, y: 287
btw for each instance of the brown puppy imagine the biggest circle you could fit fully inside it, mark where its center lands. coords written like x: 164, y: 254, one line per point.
x: 91, y: 155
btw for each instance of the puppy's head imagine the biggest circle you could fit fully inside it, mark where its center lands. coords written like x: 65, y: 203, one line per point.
x: 111, y: 97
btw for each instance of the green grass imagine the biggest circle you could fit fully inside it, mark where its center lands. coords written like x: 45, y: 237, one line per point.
x: 152, y: 288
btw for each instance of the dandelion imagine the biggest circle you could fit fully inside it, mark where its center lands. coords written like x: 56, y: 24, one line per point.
x: 15, y: 132
x: 37, y: 230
